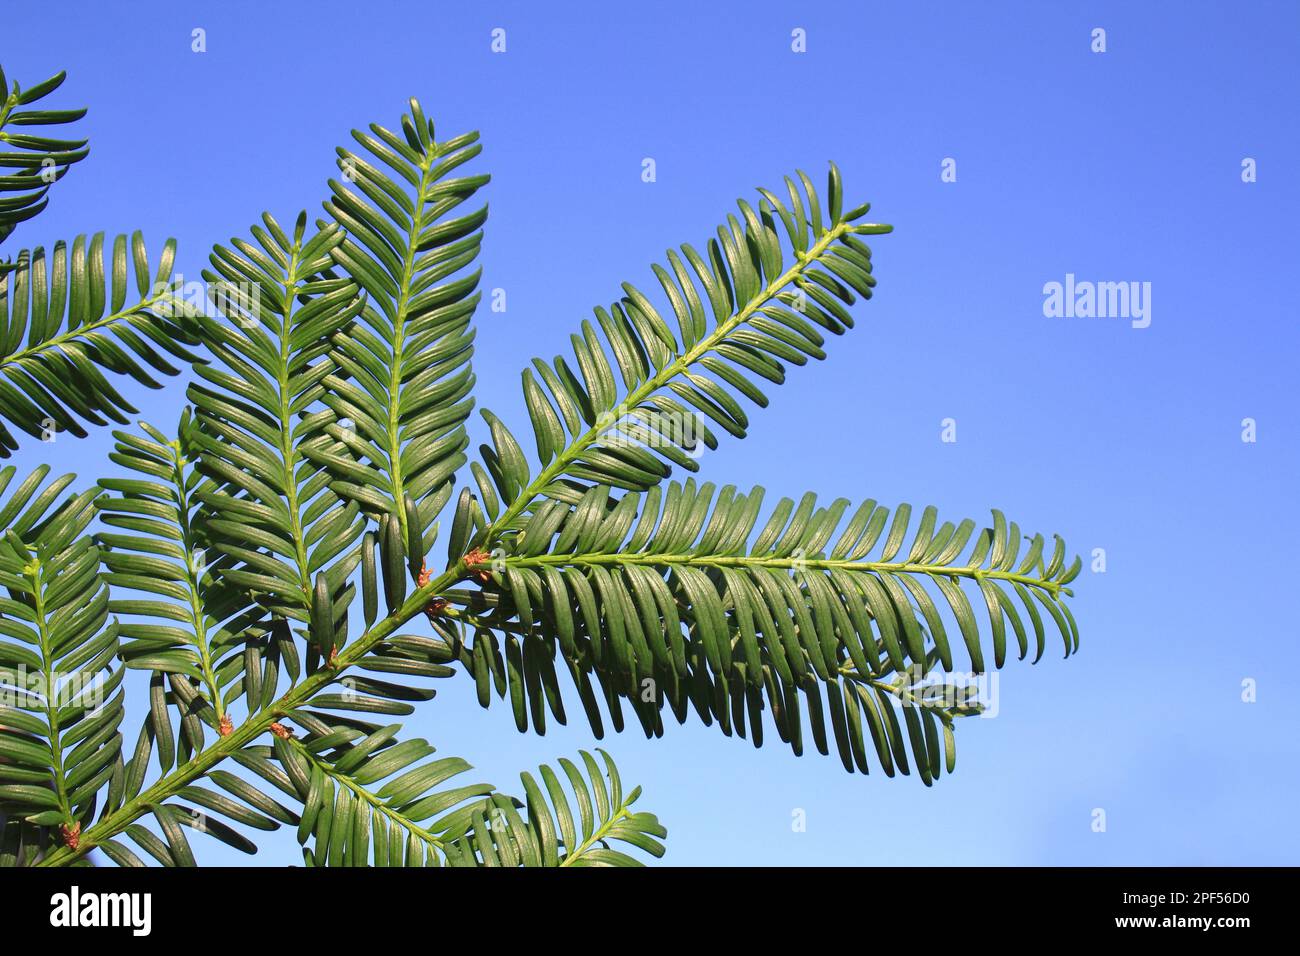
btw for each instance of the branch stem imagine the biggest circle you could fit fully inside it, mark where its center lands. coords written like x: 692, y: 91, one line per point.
x: 257, y: 724
x: 676, y: 367
x: 793, y: 564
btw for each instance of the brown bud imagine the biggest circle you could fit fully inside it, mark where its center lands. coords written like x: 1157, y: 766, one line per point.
x: 479, y: 556
x: 71, y: 835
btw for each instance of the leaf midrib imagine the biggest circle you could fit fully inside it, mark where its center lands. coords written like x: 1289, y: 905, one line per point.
x: 361, y: 793
x: 34, y: 349
x: 661, y: 378
x: 288, y: 448
x: 36, y: 579
x: 399, y: 341
x: 661, y: 559
x: 192, y: 583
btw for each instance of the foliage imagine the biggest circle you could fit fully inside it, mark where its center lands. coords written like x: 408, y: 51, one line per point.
x: 268, y: 566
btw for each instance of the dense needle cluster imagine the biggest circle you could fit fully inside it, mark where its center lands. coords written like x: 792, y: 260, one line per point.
x: 217, y: 629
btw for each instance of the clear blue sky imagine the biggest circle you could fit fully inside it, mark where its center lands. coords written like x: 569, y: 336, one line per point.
x: 1122, y: 166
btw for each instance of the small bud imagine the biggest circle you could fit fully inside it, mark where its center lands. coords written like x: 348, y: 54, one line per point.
x: 71, y: 835
x: 475, y: 557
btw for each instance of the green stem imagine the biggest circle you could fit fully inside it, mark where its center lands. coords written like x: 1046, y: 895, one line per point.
x: 394, y: 449
x: 564, y: 459
x: 596, y: 837
x: 795, y: 564
x: 257, y: 724
x: 49, y: 690
x: 287, y: 449
x: 192, y: 575
x: 34, y: 350
x: 361, y: 793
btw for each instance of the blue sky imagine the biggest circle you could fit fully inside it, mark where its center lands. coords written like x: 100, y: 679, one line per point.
x: 1117, y: 166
